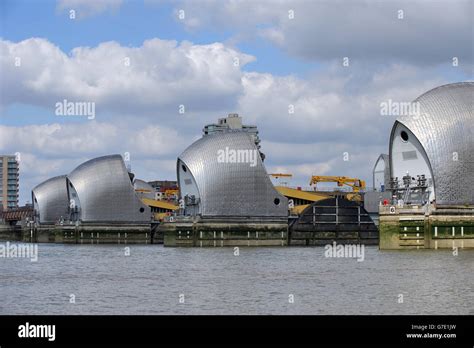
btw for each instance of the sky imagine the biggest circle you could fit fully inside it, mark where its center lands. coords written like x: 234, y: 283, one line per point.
x: 310, y: 74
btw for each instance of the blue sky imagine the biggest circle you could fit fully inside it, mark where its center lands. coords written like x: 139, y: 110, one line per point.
x: 282, y: 61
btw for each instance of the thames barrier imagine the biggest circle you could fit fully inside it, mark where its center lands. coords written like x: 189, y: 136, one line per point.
x: 422, y: 196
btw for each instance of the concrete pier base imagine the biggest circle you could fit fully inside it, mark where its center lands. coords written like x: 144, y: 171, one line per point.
x: 83, y: 234
x: 415, y: 228
x: 202, y: 233
x: 12, y: 233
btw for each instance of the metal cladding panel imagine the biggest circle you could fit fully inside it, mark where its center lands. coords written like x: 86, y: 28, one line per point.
x: 232, y: 189
x: 445, y: 128
x: 386, y: 159
x: 52, y: 201
x: 106, y: 193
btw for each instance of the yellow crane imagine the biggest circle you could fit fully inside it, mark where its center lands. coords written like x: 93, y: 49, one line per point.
x: 356, y: 184
x: 281, y: 175
x: 171, y: 192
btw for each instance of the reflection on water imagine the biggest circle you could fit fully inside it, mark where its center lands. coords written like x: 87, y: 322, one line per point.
x: 153, y: 279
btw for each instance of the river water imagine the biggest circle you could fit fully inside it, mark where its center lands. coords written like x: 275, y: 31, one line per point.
x: 102, y: 279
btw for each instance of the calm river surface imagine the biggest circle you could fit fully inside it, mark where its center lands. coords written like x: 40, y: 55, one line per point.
x: 153, y: 279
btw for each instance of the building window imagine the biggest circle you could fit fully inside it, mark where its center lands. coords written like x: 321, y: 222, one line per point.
x: 404, y: 136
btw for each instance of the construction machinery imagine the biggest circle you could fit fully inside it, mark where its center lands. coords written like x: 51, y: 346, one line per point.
x: 298, y: 200
x: 171, y: 193
x: 354, y: 183
x: 279, y: 176
x: 160, y: 209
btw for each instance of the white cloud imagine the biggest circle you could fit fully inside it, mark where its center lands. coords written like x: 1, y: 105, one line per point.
x: 82, y: 140
x: 428, y: 33
x: 160, y: 74
x: 332, y: 105
x: 154, y: 141
x: 56, y: 140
